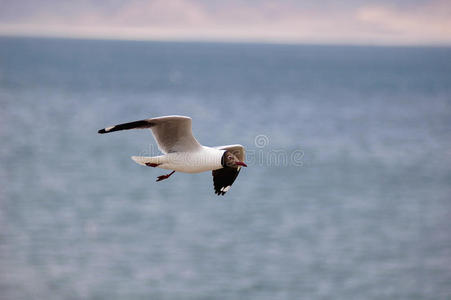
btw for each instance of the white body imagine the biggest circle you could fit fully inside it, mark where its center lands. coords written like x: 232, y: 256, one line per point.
x: 204, y: 159
x: 182, y: 152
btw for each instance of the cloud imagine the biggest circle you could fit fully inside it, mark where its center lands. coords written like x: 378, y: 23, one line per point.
x: 428, y: 23
x: 377, y: 22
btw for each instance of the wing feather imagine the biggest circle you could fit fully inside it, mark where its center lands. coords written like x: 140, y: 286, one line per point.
x: 172, y: 133
x: 224, y: 178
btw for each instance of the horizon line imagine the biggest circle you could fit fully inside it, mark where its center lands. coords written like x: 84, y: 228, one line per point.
x: 250, y: 41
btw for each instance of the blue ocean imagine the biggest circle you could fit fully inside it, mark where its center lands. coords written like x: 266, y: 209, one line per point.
x: 347, y: 194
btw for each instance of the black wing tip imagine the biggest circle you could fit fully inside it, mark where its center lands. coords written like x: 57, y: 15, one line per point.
x: 106, y: 130
x: 219, y: 193
x: 223, y: 179
x: 125, y: 126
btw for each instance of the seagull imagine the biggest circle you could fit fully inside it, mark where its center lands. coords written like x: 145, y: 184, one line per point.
x: 183, y: 153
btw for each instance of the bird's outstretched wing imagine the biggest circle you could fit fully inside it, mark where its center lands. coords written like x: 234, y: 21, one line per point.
x: 172, y: 133
x: 224, y: 178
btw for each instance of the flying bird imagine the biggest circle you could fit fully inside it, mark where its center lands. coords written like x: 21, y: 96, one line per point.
x: 183, y: 153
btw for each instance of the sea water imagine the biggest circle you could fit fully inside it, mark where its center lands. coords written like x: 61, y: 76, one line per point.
x: 347, y: 194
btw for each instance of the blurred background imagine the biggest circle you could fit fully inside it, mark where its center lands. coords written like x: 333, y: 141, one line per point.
x: 344, y: 109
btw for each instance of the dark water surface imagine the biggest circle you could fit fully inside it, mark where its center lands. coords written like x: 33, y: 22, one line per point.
x: 347, y: 194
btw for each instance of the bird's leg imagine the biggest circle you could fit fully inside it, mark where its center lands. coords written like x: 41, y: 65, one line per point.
x: 163, y: 177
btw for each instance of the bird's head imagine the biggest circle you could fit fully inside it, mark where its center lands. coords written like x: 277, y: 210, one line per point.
x: 231, y: 161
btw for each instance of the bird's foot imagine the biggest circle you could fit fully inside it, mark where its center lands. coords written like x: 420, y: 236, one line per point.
x: 163, y: 177
x: 153, y: 165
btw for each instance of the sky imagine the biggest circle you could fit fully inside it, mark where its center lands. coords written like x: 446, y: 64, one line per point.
x: 370, y: 22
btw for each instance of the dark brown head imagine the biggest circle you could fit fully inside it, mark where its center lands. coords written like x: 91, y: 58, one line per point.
x: 231, y: 161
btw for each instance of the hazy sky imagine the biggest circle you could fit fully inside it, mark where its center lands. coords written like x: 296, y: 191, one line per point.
x: 395, y: 22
